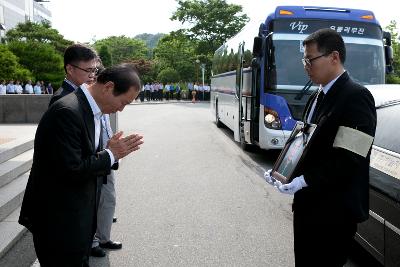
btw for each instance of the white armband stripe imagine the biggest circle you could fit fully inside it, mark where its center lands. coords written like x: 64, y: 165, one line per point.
x: 353, y: 140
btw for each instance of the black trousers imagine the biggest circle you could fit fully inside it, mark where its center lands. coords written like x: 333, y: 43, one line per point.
x: 50, y: 255
x: 321, y: 242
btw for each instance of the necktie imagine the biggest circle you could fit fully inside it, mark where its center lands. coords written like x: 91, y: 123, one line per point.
x: 320, y: 98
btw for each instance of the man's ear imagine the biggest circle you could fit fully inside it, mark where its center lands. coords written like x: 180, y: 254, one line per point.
x: 68, y: 68
x: 109, y: 86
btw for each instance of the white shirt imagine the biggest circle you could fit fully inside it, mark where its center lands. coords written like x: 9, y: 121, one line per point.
x: 18, y: 89
x: 28, y: 88
x: 3, y: 89
x: 71, y: 83
x: 325, y: 89
x: 96, y: 116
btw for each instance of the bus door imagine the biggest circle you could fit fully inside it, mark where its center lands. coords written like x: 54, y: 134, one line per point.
x: 246, y: 99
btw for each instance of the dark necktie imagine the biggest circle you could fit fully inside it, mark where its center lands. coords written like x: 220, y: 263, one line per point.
x: 320, y: 98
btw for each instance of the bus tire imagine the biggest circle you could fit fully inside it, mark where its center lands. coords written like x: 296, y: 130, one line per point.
x: 217, y: 121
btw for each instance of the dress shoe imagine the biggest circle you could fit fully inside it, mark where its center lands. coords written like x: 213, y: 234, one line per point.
x: 114, y: 219
x: 111, y: 245
x: 97, y: 252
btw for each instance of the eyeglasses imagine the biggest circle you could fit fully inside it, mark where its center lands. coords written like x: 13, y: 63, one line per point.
x: 308, y: 61
x: 89, y: 70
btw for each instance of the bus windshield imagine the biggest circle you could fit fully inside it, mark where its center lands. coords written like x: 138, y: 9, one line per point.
x: 364, y: 61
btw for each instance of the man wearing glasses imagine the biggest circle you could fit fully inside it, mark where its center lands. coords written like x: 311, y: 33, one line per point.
x: 331, y: 188
x: 80, y: 67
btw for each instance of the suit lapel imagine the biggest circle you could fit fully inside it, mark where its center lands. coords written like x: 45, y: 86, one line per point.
x: 66, y: 86
x: 87, y: 115
x: 330, y: 98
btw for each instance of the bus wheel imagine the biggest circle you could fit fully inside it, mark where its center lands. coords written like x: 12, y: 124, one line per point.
x: 217, y: 121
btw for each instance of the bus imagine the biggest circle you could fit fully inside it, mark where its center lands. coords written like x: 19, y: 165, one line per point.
x: 258, y: 85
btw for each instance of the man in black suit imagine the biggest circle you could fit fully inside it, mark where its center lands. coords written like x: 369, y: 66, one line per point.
x: 59, y: 205
x: 79, y: 66
x: 331, y: 188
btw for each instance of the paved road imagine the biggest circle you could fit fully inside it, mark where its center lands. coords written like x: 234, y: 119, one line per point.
x: 191, y: 197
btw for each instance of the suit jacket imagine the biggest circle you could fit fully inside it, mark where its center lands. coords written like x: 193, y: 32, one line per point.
x: 59, y: 204
x: 337, y: 179
x: 64, y: 90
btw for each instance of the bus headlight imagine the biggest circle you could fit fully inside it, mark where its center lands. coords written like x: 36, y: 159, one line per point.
x: 271, y: 119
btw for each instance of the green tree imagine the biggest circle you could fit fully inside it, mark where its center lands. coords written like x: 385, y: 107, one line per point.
x: 105, y: 56
x: 123, y: 48
x: 41, y: 59
x: 211, y: 22
x: 394, y: 77
x: 145, y: 68
x: 168, y: 75
x: 10, y: 69
x: 39, y: 32
x: 177, y: 51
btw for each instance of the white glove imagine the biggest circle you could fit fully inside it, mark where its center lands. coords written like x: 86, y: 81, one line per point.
x: 295, y: 185
x: 268, y: 178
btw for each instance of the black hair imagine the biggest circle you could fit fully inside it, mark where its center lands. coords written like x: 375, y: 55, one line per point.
x: 78, y: 52
x: 327, y: 41
x: 124, y: 76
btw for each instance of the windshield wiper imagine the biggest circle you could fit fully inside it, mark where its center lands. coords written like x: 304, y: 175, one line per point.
x: 389, y: 103
x: 304, y: 90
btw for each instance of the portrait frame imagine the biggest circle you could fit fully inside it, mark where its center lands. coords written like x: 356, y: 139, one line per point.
x: 293, y: 152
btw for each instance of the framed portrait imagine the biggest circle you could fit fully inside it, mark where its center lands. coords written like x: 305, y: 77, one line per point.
x: 293, y: 152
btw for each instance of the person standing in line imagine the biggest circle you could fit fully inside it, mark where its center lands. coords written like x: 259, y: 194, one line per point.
x: 3, y: 87
x: 18, y: 88
x: 49, y: 89
x: 79, y: 66
x: 60, y: 202
x: 10, y: 87
x: 28, y: 87
x: 331, y: 184
x: 37, y: 89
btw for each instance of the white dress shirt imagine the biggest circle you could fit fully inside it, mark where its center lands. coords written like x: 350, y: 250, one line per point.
x: 97, y: 123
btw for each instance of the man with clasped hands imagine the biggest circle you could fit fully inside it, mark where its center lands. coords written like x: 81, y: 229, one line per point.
x: 331, y: 184
x: 59, y: 205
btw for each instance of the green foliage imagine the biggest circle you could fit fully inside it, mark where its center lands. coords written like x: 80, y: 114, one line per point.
x: 123, y: 48
x: 41, y: 59
x: 211, y: 22
x: 151, y: 40
x: 10, y: 69
x: 392, y: 78
x: 39, y: 32
x: 145, y: 69
x: 176, y: 51
x: 395, y: 77
x: 168, y: 75
x: 105, y: 56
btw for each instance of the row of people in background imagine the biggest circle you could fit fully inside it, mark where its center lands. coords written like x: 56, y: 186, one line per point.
x: 17, y: 87
x: 202, y: 91
x: 158, y: 92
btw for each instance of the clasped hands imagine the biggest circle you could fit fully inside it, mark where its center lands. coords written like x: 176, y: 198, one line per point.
x: 295, y: 185
x: 123, y: 146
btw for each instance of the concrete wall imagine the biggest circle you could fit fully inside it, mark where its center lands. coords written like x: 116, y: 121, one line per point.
x: 30, y: 108
x: 23, y: 108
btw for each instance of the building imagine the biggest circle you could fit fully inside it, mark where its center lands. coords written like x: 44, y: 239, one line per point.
x: 13, y: 12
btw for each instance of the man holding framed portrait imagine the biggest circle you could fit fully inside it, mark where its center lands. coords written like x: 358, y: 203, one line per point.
x: 330, y: 181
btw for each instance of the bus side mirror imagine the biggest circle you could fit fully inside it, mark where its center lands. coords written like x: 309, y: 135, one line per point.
x: 255, y: 64
x: 257, y: 46
x: 389, y: 59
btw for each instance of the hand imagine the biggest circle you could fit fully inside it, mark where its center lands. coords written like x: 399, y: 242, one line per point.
x: 121, y: 147
x: 268, y: 178
x: 295, y: 185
